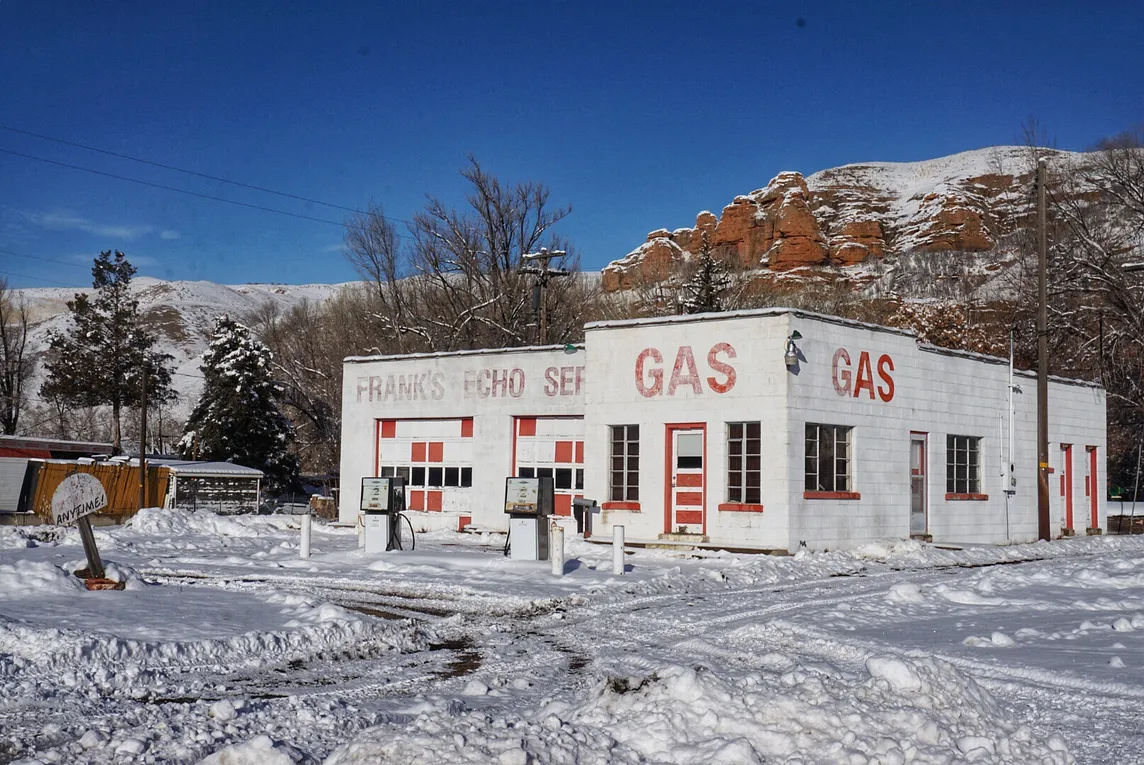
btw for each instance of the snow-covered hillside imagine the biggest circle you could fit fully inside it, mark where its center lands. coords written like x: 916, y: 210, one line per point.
x: 180, y: 312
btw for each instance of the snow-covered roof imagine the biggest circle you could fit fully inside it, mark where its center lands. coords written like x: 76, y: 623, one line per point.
x: 476, y: 352
x: 745, y: 314
x: 193, y: 469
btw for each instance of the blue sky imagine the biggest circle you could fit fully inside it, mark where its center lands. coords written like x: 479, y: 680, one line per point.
x: 638, y: 115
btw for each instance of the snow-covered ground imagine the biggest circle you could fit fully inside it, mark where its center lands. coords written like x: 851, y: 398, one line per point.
x: 225, y: 648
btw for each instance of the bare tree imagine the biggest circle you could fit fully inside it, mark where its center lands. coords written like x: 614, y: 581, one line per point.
x: 456, y: 283
x: 16, y: 363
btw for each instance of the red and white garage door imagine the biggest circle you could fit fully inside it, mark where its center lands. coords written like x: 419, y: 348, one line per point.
x: 554, y: 447
x: 434, y: 456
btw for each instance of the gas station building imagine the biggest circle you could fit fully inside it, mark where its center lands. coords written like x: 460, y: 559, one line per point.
x: 768, y: 429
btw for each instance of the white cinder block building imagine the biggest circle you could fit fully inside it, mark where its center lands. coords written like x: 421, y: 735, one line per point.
x: 705, y: 425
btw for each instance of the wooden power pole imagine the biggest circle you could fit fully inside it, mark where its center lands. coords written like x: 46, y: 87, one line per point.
x: 143, y: 441
x: 1043, y: 522
x: 543, y: 274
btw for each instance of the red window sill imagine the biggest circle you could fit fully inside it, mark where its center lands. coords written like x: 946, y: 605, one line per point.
x: 967, y: 497
x: 632, y: 506
x: 739, y: 507
x: 831, y: 495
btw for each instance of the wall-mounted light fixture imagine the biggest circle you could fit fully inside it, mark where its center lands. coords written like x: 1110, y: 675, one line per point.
x: 790, y: 358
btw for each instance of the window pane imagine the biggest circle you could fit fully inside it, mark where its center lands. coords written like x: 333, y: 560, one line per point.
x: 633, y: 494
x: 753, y: 446
x: 634, y: 447
x: 544, y: 472
x: 754, y: 464
x: 752, y: 479
x: 633, y: 432
x: 689, y: 463
x: 417, y: 477
x: 734, y: 494
x: 735, y: 430
x: 579, y: 478
x: 563, y: 478
x: 753, y: 496
x: 617, y: 463
x: 404, y: 473
x: 527, y: 472
x: 617, y: 493
x: 452, y: 476
x: 734, y: 481
x: 754, y: 430
x: 466, y: 476
x: 436, y: 476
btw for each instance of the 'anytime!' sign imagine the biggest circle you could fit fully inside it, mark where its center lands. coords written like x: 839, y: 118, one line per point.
x: 78, y: 495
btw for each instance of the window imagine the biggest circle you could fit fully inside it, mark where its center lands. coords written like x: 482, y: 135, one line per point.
x: 962, y: 464
x: 625, y: 472
x: 744, y: 462
x: 827, y: 457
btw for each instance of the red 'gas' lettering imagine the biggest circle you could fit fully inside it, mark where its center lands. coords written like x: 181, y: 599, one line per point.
x: 685, y: 371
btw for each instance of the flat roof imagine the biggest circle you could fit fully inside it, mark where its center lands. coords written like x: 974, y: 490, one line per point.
x: 193, y: 469
x: 56, y: 444
x: 751, y: 313
x: 474, y: 352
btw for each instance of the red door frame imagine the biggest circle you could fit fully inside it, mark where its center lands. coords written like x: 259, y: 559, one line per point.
x: 924, y: 475
x: 1067, y: 483
x: 669, y: 469
x: 1093, y: 484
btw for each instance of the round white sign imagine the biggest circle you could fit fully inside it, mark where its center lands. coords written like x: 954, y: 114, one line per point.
x: 77, y: 495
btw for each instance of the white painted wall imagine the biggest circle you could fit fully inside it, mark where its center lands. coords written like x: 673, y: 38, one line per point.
x: 492, y: 387
x: 935, y: 392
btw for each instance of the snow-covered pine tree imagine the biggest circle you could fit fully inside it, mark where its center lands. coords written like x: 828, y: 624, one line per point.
x: 238, y: 417
x: 705, y: 291
x: 100, y: 359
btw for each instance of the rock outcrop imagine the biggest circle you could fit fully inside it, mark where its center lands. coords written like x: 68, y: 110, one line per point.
x: 847, y: 216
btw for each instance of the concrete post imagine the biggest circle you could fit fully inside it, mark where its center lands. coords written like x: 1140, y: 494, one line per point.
x: 556, y: 548
x: 618, y: 550
x: 304, y: 550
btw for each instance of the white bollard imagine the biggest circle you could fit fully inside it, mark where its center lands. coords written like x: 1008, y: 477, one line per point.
x: 304, y: 549
x: 617, y: 550
x: 556, y: 549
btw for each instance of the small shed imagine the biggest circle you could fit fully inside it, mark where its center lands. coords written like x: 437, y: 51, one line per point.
x: 220, y: 486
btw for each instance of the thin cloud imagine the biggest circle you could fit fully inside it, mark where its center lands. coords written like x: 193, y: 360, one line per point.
x: 329, y: 249
x: 65, y: 221
x: 169, y: 234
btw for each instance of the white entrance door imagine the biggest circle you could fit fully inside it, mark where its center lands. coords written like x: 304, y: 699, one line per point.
x: 917, y: 483
x: 687, y: 481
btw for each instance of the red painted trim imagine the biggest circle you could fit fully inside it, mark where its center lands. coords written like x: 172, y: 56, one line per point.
x: 1066, y: 484
x: 688, y: 480
x: 433, y: 501
x: 436, y: 451
x: 630, y: 506
x: 467, y: 428
x: 1050, y: 470
x: 831, y: 495
x: 564, y: 451
x: 580, y: 452
x: 527, y: 426
x: 417, y: 451
x: 563, y: 503
x: 513, y: 436
x: 416, y: 500
x: 1094, y: 513
x: 668, y: 460
x: 464, y: 521
x: 967, y: 497
x: 739, y: 507
x: 388, y: 428
x: 377, y: 447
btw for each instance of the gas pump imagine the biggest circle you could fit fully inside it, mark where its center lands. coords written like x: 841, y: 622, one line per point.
x: 528, y: 503
x: 382, y: 501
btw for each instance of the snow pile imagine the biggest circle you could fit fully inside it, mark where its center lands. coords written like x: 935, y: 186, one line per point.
x: 899, y: 710
x: 24, y: 578
x: 14, y: 538
x: 261, y: 750
x: 158, y: 521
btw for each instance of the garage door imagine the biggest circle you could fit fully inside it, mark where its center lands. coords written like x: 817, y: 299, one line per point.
x: 434, y: 456
x: 553, y: 447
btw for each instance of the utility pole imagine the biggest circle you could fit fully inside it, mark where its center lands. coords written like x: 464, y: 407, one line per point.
x: 143, y: 440
x: 543, y: 274
x: 1043, y: 523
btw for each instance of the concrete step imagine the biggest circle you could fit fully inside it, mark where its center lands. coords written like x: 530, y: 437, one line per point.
x: 700, y: 538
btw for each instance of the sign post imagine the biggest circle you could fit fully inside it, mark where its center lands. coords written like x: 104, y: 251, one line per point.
x: 78, y: 496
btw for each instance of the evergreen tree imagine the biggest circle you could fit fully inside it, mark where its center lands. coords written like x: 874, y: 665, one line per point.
x: 704, y: 292
x: 239, y: 417
x: 101, y: 359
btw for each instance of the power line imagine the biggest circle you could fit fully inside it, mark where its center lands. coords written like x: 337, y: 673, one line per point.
x: 339, y: 224
x: 46, y: 260
x: 240, y: 184
x: 38, y: 279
